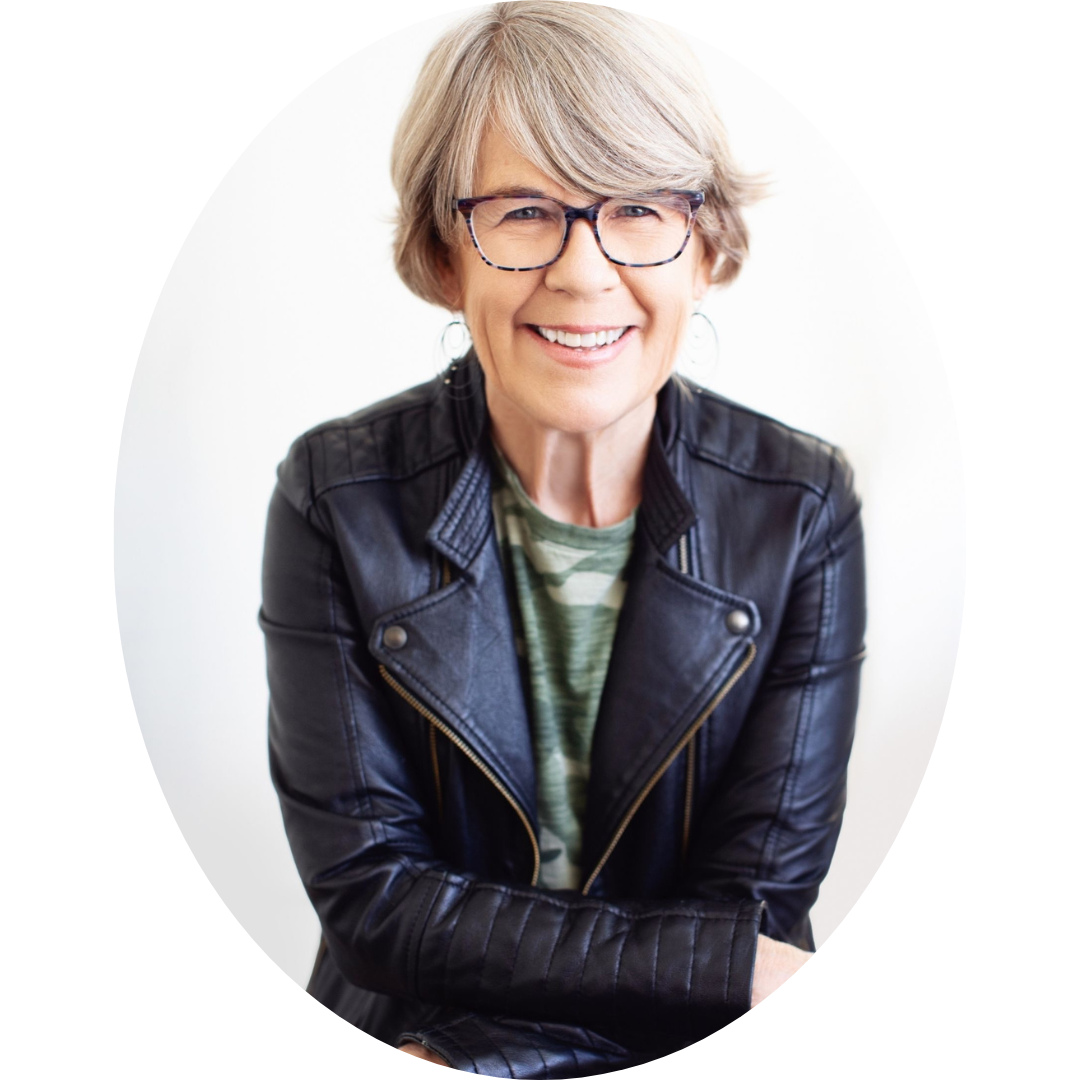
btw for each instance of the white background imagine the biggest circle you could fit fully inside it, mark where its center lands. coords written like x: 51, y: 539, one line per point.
x: 283, y: 310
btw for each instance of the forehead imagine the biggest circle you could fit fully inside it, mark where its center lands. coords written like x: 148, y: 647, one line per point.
x: 503, y: 170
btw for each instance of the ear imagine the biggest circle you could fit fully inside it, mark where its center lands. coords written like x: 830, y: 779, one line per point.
x: 449, y: 272
x: 703, y: 273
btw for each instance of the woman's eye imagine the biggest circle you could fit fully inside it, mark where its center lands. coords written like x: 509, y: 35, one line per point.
x: 636, y: 210
x: 525, y: 213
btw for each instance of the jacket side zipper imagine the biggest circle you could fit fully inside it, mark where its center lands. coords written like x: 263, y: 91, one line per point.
x: 722, y: 693
x: 464, y: 747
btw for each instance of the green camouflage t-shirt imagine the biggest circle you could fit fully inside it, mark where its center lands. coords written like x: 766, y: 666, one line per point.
x: 569, y: 582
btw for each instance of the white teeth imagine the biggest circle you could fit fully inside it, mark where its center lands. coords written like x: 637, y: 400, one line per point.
x: 594, y: 339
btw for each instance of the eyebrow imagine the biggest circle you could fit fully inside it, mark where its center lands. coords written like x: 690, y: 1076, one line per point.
x: 536, y: 193
x: 520, y: 192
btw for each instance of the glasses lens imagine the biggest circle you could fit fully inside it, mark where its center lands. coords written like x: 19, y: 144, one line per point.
x: 644, y: 231
x: 518, y: 233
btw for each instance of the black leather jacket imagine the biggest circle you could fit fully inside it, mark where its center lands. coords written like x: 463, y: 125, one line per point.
x: 401, y: 751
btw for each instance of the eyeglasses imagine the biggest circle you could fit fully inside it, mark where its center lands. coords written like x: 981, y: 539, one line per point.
x: 525, y: 232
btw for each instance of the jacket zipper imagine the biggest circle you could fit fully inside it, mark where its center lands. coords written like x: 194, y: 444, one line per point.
x: 428, y: 715
x: 722, y: 693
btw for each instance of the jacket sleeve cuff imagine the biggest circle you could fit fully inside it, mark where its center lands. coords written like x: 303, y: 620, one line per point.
x: 515, y: 1048
x: 743, y: 956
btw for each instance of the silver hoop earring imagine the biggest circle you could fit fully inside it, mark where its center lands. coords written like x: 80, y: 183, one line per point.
x: 455, y: 341
x: 702, y: 349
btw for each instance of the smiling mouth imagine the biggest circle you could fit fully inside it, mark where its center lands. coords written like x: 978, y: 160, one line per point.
x: 593, y: 339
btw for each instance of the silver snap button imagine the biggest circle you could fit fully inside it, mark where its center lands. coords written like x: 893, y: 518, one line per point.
x: 394, y: 637
x: 737, y: 621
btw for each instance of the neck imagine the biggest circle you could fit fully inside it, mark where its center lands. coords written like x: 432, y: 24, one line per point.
x: 589, y: 478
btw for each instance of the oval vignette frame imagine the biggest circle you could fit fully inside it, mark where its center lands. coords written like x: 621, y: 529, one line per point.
x: 282, y: 310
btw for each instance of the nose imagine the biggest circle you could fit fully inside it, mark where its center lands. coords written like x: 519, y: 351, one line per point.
x: 583, y: 269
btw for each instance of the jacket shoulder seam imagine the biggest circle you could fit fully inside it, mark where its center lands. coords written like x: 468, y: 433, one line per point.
x: 820, y: 448
x: 363, y: 464
x: 382, y: 475
x: 749, y: 474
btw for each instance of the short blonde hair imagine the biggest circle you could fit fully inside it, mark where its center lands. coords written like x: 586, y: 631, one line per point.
x: 602, y: 101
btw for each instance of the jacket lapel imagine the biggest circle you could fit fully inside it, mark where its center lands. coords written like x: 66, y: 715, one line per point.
x: 459, y: 658
x: 673, y: 651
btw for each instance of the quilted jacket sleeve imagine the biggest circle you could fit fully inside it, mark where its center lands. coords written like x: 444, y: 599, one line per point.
x: 398, y: 920
x: 771, y: 830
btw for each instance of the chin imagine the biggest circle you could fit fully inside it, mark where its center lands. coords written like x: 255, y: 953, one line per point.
x: 582, y: 413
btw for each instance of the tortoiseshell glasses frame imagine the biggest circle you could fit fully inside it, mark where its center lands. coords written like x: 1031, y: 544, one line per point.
x: 591, y: 214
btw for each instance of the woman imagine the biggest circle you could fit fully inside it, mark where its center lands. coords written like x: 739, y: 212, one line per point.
x: 563, y: 653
